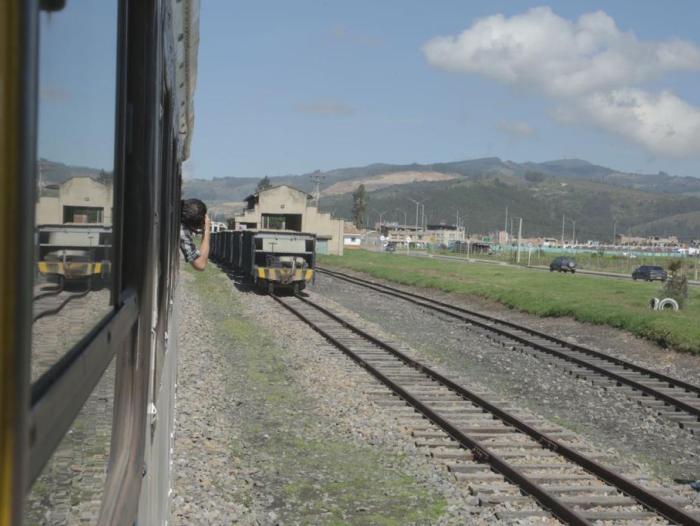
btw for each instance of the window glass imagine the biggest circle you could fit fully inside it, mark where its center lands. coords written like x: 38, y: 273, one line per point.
x: 69, y: 489
x: 74, y: 180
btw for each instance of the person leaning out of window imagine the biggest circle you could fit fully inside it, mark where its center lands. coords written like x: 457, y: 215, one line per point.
x: 194, y: 219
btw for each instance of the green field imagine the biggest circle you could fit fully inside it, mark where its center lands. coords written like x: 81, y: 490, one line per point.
x: 603, y: 301
x: 603, y: 262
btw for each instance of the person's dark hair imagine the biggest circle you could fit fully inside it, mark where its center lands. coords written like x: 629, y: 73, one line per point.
x: 192, y: 214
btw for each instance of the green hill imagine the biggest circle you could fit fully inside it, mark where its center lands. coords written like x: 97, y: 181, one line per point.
x: 593, y: 196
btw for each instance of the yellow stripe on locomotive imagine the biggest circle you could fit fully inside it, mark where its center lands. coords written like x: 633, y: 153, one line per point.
x: 285, y: 276
x: 74, y: 270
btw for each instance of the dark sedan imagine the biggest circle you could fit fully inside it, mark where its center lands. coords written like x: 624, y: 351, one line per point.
x: 563, y: 264
x: 649, y: 273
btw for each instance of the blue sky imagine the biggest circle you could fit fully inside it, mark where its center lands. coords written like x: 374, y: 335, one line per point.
x: 77, y: 84
x: 290, y: 87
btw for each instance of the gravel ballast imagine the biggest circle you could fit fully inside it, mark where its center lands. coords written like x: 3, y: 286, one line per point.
x: 607, y: 418
x: 275, y: 427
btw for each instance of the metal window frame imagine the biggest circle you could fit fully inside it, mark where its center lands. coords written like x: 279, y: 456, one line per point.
x: 55, y: 409
x: 60, y: 393
x: 141, y: 163
x: 18, y: 63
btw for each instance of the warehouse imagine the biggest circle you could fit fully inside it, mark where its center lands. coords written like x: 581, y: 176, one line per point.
x: 286, y: 208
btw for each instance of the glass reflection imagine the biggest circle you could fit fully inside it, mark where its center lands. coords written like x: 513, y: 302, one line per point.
x: 69, y: 490
x: 75, y: 199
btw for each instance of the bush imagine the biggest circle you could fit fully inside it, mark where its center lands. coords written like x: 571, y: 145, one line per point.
x: 676, y: 285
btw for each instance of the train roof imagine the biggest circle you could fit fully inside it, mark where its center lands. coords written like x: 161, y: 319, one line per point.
x: 185, y: 29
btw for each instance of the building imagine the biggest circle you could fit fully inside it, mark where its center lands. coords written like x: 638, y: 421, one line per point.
x: 353, y: 237
x: 79, y: 200
x: 650, y: 241
x: 286, y: 208
x: 432, y: 235
x: 444, y: 235
x: 352, y: 240
x: 217, y: 226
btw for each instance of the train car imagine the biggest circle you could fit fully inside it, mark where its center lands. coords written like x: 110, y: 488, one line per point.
x: 97, y: 95
x: 75, y: 253
x: 271, y: 259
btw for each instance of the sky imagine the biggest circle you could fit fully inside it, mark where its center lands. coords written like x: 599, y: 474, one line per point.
x: 291, y: 87
x: 77, y: 84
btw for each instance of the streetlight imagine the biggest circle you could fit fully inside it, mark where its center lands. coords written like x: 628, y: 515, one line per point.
x: 405, y: 216
x: 573, y: 233
x: 520, y: 235
x: 418, y: 204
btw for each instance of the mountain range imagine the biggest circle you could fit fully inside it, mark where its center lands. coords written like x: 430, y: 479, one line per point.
x: 598, y: 199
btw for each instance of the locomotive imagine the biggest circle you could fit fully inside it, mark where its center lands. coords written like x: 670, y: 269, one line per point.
x: 270, y: 259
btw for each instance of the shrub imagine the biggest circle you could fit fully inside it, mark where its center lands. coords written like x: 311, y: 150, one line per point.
x: 676, y: 285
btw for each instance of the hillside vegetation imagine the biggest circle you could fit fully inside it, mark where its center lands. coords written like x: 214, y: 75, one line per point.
x: 593, y: 196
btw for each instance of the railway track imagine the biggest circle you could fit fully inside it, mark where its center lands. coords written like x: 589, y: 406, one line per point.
x: 53, y: 301
x: 524, y: 469
x: 670, y: 397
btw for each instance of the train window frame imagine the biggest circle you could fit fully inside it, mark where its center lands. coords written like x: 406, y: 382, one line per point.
x: 59, y: 394
x: 35, y: 418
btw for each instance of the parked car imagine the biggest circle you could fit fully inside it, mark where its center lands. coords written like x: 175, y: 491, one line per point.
x: 649, y: 273
x: 390, y: 247
x: 563, y: 264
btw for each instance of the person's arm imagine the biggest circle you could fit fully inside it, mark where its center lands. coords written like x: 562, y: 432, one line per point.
x: 201, y: 262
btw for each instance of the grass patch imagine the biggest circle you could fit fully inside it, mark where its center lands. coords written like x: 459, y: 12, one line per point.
x: 617, y: 303
x: 312, y: 476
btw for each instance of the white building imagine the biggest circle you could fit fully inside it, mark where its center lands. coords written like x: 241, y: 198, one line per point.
x: 286, y: 208
x: 79, y: 200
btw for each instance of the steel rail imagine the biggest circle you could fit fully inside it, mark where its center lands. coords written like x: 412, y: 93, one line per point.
x: 629, y: 487
x: 481, y: 452
x: 51, y: 292
x: 56, y: 310
x: 441, y: 306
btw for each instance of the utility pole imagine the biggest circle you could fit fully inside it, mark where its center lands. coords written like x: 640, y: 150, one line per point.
x: 417, y: 205
x: 520, y: 236
x: 573, y: 233
x: 563, y: 225
x: 510, y: 236
x: 381, y: 214
x: 317, y: 177
x: 614, y: 233
x: 505, y: 227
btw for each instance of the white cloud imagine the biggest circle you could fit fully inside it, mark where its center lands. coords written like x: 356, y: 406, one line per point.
x: 561, y: 57
x: 589, y: 64
x: 326, y: 109
x: 664, y: 124
x: 519, y: 129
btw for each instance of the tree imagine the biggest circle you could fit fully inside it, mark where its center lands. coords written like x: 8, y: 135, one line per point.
x: 264, y: 184
x: 359, y: 206
x: 534, y: 177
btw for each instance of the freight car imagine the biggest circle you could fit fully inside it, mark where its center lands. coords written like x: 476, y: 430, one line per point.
x: 271, y: 259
